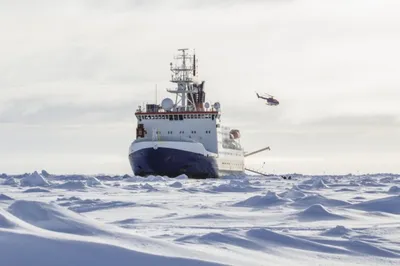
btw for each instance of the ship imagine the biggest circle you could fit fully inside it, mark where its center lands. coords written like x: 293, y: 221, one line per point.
x: 185, y: 135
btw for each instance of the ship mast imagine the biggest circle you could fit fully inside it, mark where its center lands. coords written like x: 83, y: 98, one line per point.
x: 183, y: 73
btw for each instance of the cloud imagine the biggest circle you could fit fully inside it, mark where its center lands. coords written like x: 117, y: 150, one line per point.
x: 361, y: 122
x: 39, y: 111
x: 333, y: 66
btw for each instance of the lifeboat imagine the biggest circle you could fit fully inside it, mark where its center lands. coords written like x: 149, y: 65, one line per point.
x: 234, y: 134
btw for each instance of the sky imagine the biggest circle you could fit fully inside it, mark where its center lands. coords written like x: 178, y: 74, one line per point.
x: 72, y: 74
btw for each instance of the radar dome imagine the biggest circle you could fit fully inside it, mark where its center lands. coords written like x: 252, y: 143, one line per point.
x: 207, y: 105
x: 195, y: 80
x: 217, y: 105
x: 167, y: 104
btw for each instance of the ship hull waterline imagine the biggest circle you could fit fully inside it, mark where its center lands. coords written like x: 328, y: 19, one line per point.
x: 172, y: 163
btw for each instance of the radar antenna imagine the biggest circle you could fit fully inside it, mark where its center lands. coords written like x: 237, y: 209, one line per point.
x: 189, y: 96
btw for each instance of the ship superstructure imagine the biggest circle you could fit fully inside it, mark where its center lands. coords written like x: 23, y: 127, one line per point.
x: 184, y: 135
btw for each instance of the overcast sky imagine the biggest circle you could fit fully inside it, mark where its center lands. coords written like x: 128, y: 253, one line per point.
x: 73, y: 72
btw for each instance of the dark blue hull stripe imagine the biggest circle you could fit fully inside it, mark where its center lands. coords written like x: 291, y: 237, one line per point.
x: 172, y: 162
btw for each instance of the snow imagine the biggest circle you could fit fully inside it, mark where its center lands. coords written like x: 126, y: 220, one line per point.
x: 235, y: 220
x: 394, y: 190
x: 317, y: 212
x: 387, y: 204
x: 5, y: 197
x: 72, y: 185
x: 35, y: 190
x: 309, y: 200
x: 11, y: 182
x: 50, y: 251
x: 93, y: 182
x: 338, y: 230
x: 176, y: 184
x: 51, y: 217
x: 270, y: 199
x: 34, y: 179
x: 182, y: 177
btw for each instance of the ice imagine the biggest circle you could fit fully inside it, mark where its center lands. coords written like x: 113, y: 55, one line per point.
x: 45, y: 174
x: 236, y: 220
x: 394, y: 190
x: 34, y: 179
x: 235, y: 186
x: 6, y: 220
x: 319, y: 199
x: 148, y: 187
x: 176, y: 184
x: 388, y: 204
x: 294, y: 193
x: 36, y: 190
x: 52, y: 217
x: 269, y: 237
x: 11, y: 182
x: 90, y: 205
x: 62, y: 251
x: 222, y: 238
x: 339, y: 230
x: 72, y: 185
x: 270, y: 199
x: 317, y: 212
x: 319, y: 184
x: 181, y: 177
x: 5, y: 197
x: 93, y: 182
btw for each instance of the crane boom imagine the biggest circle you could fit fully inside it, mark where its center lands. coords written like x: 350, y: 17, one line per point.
x: 257, y: 151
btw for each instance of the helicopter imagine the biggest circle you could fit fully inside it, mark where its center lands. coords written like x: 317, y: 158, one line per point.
x: 270, y: 99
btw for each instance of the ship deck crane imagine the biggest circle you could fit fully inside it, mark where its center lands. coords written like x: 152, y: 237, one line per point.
x: 252, y: 153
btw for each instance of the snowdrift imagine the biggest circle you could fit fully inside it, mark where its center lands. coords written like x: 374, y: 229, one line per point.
x: 317, y: 212
x: 270, y: 199
x: 388, y: 205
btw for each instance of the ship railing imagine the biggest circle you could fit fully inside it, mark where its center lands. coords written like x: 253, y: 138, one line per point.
x: 179, y: 110
x: 165, y: 138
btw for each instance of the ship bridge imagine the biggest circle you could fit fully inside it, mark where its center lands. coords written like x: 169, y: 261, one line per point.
x: 154, y: 112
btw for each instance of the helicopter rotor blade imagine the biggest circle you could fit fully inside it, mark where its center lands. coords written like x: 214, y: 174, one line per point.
x: 268, y: 95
